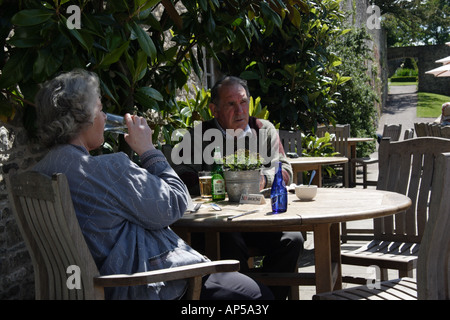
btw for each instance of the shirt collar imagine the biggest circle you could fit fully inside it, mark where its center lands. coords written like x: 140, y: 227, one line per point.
x: 246, y: 132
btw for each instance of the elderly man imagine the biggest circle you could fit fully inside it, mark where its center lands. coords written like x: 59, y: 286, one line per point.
x: 232, y: 123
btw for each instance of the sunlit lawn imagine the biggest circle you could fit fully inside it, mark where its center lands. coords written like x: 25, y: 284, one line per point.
x: 429, y: 105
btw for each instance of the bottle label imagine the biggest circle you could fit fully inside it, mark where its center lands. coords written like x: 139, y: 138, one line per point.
x: 219, y: 186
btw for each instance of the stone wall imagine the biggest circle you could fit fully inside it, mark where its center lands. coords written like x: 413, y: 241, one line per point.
x: 426, y: 57
x: 361, y: 16
x: 16, y: 270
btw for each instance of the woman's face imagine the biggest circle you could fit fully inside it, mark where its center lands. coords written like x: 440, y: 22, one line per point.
x: 92, y: 137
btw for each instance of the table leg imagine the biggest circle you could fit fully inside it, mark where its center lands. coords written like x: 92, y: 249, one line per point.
x: 327, y: 257
x: 322, y: 252
x: 318, y: 177
x: 335, y: 238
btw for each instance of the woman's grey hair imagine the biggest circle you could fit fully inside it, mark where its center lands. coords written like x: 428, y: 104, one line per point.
x: 65, y: 106
x: 226, y: 81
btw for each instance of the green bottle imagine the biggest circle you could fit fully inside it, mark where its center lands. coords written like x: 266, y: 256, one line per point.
x: 217, y: 182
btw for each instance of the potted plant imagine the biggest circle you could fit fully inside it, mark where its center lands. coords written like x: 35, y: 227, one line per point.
x: 242, y: 171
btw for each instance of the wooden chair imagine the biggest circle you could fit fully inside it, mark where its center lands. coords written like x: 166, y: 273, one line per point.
x: 47, y: 221
x: 445, y: 132
x: 392, y: 131
x: 405, y: 167
x: 421, y: 129
x: 341, y: 134
x: 433, y: 275
x: 409, y: 134
x: 291, y: 141
x: 292, y: 145
x: 435, y: 129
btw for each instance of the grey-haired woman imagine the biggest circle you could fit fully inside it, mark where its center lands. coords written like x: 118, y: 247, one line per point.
x: 124, y: 210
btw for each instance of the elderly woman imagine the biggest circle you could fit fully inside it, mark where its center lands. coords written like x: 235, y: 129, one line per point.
x: 124, y: 210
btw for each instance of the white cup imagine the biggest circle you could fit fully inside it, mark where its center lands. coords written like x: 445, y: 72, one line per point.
x: 305, y: 192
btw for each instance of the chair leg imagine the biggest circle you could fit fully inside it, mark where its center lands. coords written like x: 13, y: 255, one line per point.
x: 364, y: 176
x: 384, y: 274
x: 194, y: 288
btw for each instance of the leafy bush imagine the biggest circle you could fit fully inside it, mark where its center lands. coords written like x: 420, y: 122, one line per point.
x: 403, y: 79
x: 359, y: 97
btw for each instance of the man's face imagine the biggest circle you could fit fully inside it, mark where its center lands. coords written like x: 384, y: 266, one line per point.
x: 232, y: 111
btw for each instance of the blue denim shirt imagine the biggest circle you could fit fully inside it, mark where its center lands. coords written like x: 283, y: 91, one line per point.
x: 124, y: 212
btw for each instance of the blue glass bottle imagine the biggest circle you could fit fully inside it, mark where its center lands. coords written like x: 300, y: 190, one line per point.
x: 278, y: 194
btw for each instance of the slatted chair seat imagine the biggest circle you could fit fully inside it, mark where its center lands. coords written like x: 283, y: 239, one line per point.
x: 406, y: 167
x: 433, y: 272
x: 399, y: 289
x: 46, y: 218
x: 393, y: 254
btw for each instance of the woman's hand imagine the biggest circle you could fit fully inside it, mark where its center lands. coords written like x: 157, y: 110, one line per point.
x: 139, y: 136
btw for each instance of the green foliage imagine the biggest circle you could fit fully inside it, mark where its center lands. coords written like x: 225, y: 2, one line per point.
x: 358, y: 96
x: 415, y: 22
x: 314, y: 146
x: 403, y: 79
x: 242, y: 159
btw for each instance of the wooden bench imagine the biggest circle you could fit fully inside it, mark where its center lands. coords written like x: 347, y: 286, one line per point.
x: 46, y: 218
x: 433, y: 275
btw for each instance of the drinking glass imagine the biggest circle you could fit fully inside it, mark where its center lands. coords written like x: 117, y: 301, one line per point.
x: 204, y: 178
x: 115, y: 124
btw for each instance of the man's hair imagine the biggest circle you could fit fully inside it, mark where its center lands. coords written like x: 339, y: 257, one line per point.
x: 226, y: 81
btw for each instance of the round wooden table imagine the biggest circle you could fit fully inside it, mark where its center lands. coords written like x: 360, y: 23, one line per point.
x: 321, y: 215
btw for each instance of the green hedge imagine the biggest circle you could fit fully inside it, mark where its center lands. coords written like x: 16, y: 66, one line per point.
x: 404, y: 79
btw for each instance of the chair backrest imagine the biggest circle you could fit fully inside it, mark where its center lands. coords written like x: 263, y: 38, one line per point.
x: 434, y: 129
x: 291, y: 141
x: 392, y: 131
x: 433, y: 272
x: 407, y: 167
x: 445, y: 132
x: 341, y: 134
x: 421, y: 129
x: 409, y: 134
x: 47, y: 221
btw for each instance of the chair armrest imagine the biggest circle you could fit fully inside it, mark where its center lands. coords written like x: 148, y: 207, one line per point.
x: 169, y: 274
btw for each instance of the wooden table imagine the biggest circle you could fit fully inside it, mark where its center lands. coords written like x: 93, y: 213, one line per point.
x: 301, y: 164
x: 322, y: 216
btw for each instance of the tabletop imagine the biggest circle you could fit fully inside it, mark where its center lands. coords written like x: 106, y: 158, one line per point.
x: 331, y: 205
x: 317, y: 160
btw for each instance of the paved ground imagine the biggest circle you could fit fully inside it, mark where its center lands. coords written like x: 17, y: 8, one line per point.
x: 400, y: 109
